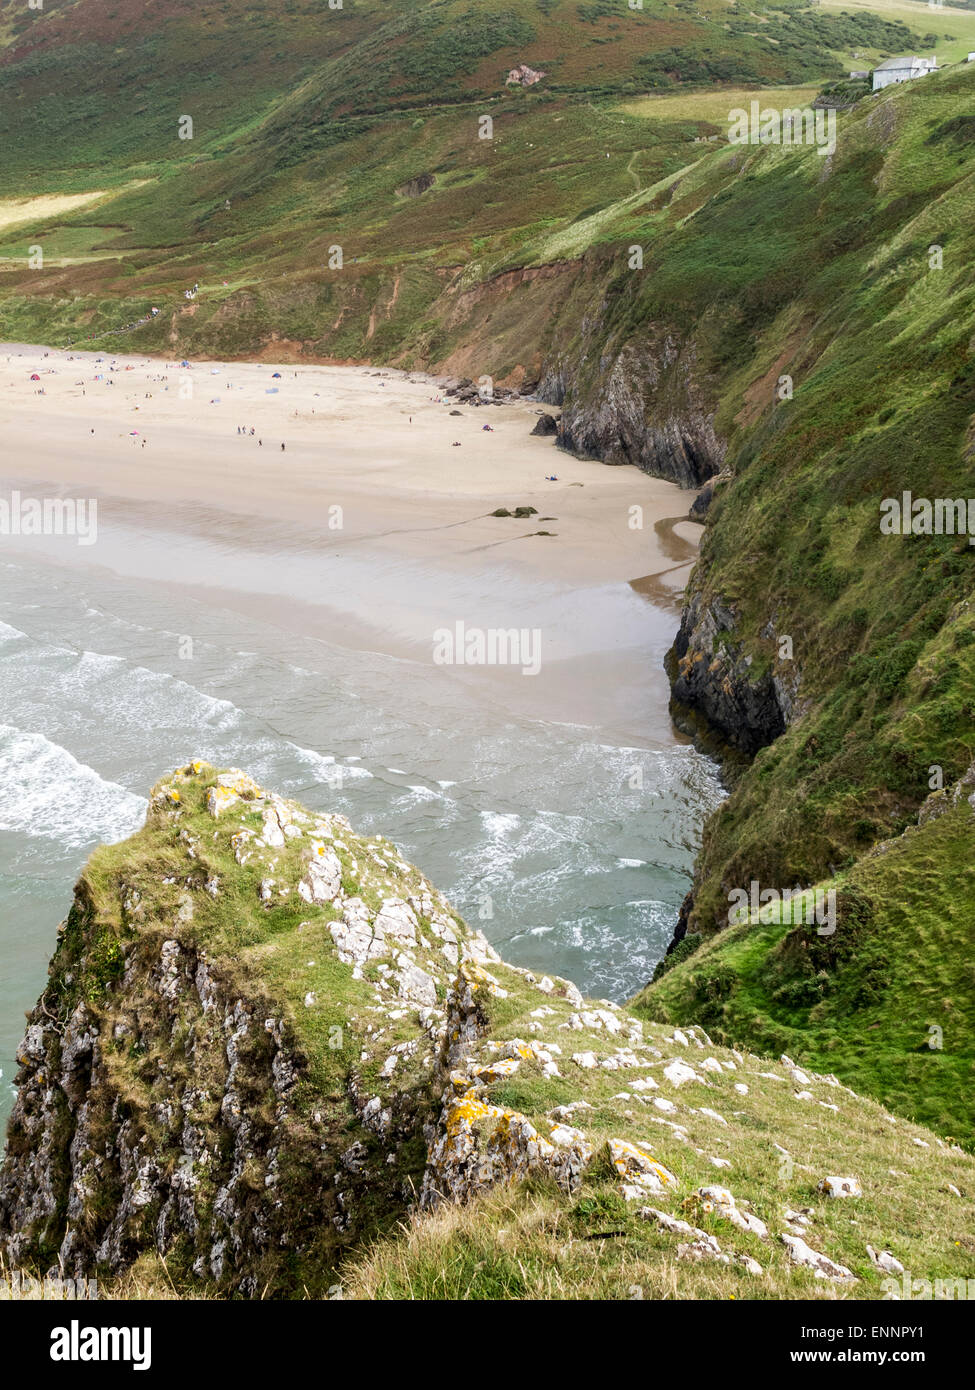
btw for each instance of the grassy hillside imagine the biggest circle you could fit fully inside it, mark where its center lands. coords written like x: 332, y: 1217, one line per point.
x: 306, y: 122
x: 888, y: 1001
x: 850, y: 300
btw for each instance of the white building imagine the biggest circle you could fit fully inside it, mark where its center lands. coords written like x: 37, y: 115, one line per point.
x: 902, y: 70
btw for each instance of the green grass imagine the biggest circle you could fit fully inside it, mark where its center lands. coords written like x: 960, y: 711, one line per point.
x: 530, y: 1241
x: 888, y: 1003
x: 828, y: 278
x: 713, y: 104
x: 306, y: 129
x: 163, y: 1055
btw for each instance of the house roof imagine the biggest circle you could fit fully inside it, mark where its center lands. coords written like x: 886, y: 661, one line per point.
x: 906, y: 61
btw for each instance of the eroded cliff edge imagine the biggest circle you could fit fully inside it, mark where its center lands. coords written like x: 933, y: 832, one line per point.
x: 271, y: 1056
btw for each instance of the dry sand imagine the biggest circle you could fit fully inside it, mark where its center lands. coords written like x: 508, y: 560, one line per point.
x: 417, y: 542
x: 377, y: 444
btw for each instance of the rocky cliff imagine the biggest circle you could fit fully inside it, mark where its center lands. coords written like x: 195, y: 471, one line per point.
x: 643, y: 401
x: 712, y: 677
x: 265, y: 1041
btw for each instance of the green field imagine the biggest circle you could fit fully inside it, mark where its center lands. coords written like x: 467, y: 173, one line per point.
x: 713, y: 105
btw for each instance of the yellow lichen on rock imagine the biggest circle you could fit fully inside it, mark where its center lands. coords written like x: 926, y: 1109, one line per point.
x: 638, y: 1168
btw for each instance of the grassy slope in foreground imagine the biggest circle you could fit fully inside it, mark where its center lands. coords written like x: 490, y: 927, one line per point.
x: 887, y: 1001
x: 155, y: 1124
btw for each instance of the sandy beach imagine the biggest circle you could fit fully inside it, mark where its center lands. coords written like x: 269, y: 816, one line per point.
x: 221, y: 612
x: 383, y: 479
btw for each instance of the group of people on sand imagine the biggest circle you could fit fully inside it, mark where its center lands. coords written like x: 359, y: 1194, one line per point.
x: 249, y: 430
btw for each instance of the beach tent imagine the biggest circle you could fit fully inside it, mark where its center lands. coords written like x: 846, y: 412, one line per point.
x: 34, y: 376
x: 275, y: 374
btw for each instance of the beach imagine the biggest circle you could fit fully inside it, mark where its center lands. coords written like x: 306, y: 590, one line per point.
x: 288, y: 611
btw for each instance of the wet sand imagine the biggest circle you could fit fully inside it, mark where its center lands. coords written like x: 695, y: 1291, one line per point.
x: 372, y: 527
x: 221, y: 613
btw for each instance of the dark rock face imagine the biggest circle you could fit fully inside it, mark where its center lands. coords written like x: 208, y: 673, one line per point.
x: 683, y: 917
x: 415, y: 187
x: 711, y: 676
x: 467, y: 392
x: 702, y: 502
x: 546, y: 425
x: 646, y: 404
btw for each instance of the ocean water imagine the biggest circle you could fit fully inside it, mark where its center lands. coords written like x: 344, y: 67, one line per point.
x: 556, y: 824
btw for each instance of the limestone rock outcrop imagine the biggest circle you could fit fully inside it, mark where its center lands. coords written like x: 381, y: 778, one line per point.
x: 266, y: 1042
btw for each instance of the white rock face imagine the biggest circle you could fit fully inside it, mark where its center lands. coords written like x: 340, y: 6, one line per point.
x: 677, y: 1073
x: 840, y: 1187
x: 480, y: 1145
x: 722, y: 1203
x: 884, y: 1260
x: 636, y: 1164
x: 397, y: 922
x: 272, y: 828
x: 354, y: 936
x: 702, y: 1245
x: 565, y: 1112
x: 594, y: 1020
x: 676, y: 1226
x: 323, y: 881
x: 231, y: 787
x: 698, y: 1250
x: 220, y: 799
x: 586, y: 1060
x: 565, y: 1136
x: 823, y: 1267
x: 415, y: 984
x: 713, y: 1115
